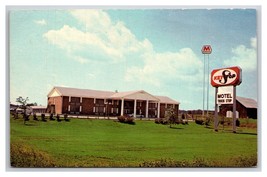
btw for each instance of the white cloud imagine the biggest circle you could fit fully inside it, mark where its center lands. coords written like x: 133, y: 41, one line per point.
x: 160, y: 67
x: 102, y: 39
x: 244, y: 57
x: 253, y: 42
x: 41, y: 22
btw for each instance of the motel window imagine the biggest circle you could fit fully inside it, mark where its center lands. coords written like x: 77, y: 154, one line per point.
x: 115, y: 102
x: 152, y: 105
x: 99, y: 101
x: 99, y: 109
x: 115, y: 110
x: 75, y: 99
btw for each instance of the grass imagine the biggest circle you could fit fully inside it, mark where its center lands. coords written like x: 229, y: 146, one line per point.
x: 106, y: 143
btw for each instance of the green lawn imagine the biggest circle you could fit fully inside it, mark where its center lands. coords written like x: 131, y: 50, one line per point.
x: 106, y: 143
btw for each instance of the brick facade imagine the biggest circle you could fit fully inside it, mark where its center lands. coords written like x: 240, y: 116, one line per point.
x: 111, y: 106
x: 55, y: 104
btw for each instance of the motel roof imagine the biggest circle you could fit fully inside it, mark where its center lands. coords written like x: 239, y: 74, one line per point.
x: 75, y: 92
x: 247, y: 102
x: 165, y: 99
x: 137, y: 94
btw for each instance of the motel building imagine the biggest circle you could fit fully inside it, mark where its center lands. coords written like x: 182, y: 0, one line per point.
x: 138, y: 103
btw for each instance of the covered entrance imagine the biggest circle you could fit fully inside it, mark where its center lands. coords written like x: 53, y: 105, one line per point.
x: 136, y: 103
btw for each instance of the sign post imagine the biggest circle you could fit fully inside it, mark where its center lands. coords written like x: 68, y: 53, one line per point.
x: 216, y: 111
x: 219, y: 79
x: 234, y: 111
x: 206, y: 50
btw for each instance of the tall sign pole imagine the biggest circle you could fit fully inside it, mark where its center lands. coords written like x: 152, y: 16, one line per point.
x: 234, y: 110
x: 223, y: 77
x: 208, y: 89
x: 206, y: 50
x: 216, y: 111
x: 204, y: 73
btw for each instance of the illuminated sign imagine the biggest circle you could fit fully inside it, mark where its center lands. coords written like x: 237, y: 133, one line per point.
x: 206, y: 49
x: 226, y: 76
x: 225, y: 95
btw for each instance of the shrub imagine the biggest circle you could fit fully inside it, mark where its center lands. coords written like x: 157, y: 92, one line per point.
x: 66, y: 117
x: 121, y: 119
x: 199, y: 122
x: 129, y: 120
x: 51, y: 116
x: 124, y: 119
x: 157, y: 120
x: 43, y: 117
x: 173, y: 163
x: 58, y: 118
x: 245, y: 161
x: 201, y: 162
x: 25, y: 156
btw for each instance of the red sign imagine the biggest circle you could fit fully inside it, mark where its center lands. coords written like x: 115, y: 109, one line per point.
x: 226, y: 76
x: 206, y: 49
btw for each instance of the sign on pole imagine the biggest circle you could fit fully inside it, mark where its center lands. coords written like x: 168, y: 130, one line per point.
x: 220, y: 78
x: 206, y: 49
x: 226, y: 76
x: 225, y: 95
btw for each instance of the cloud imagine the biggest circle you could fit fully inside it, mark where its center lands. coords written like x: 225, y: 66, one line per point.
x: 41, y: 22
x: 159, y: 68
x: 101, y: 38
x: 244, y: 57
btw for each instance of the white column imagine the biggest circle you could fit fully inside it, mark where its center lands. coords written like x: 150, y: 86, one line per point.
x: 122, y: 106
x: 134, y: 108
x: 69, y: 98
x: 81, y: 99
x: 94, y: 100
x: 80, y: 108
x: 158, y: 109
x: 146, y: 108
x: 69, y: 108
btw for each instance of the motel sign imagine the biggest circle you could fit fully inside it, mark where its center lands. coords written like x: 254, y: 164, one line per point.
x: 226, y: 76
x: 206, y: 49
x: 221, y: 78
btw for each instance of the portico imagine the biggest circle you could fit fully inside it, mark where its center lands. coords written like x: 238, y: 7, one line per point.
x: 140, y: 99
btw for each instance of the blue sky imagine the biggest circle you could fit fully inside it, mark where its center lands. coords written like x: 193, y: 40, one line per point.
x: 157, y: 50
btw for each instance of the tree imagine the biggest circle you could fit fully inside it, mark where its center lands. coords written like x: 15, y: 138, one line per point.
x: 171, y: 117
x: 23, y: 102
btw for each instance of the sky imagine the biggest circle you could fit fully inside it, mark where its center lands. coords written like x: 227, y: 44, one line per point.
x: 156, y: 50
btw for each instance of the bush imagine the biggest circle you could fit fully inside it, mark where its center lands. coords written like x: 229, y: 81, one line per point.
x: 199, y: 122
x: 51, y: 116
x: 124, y: 119
x: 66, y: 118
x: 245, y: 161
x: 201, y: 162
x: 121, y: 119
x: 157, y: 120
x: 129, y: 120
x: 26, y: 156
x: 165, y: 163
x: 43, y: 117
